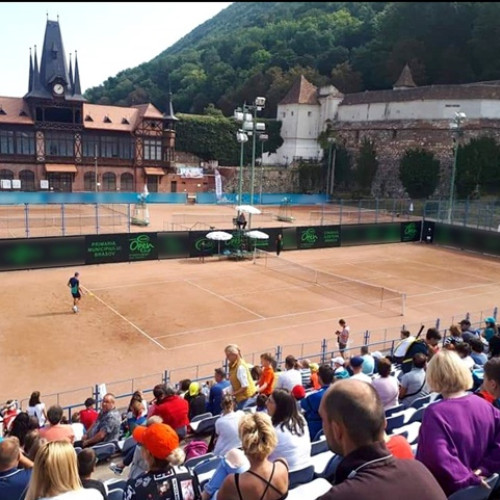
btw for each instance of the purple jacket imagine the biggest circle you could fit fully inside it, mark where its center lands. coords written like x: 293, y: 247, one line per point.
x: 457, y: 437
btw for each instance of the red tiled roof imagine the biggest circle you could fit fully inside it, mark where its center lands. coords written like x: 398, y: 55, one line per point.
x: 12, y: 109
x: 302, y: 92
x: 148, y: 111
x: 109, y: 117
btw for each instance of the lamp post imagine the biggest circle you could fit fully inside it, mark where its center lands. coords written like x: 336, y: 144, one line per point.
x: 96, y: 176
x: 456, y: 127
x: 241, y: 137
x: 262, y: 138
x: 330, y: 176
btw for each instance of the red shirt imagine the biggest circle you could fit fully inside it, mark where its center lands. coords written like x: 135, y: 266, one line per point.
x: 398, y: 445
x: 88, y: 417
x: 173, y: 410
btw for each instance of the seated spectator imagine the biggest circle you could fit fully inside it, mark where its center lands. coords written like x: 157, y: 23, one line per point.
x: 291, y: 376
x: 460, y: 435
x: 21, y: 425
x: 266, y: 381
x: 233, y: 462
x: 184, y: 387
x: 9, y: 412
x: 386, y: 384
x: 89, y: 415
x: 217, y: 391
x: 32, y: 442
x: 310, y: 404
x: 402, y: 346
x: 160, y: 447
x: 294, y: 444
x: 368, y: 366
x: 427, y: 346
x: 36, y: 408
x: 226, y: 427
x: 467, y: 332
x: 87, y: 461
x: 56, y: 431
x: 463, y: 349
x: 490, y: 329
x: 241, y: 221
x: 339, y: 370
x: 255, y: 373
x: 261, y: 403
x: 494, y: 345
x: 298, y: 393
x: 136, y: 414
x: 242, y: 385
x: 305, y: 372
x: 413, y: 384
x: 314, y: 376
x: 196, y: 400
x: 477, y: 351
x: 454, y: 337
x: 77, y: 426
x: 258, y: 440
x: 172, y: 409
x: 13, y: 479
x: 490, y: 388
x: 106, y: 428
x: 55, y: 475
x: 356, y: 364
x: 354, y: 422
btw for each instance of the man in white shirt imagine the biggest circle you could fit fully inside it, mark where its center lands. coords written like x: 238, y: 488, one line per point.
x: 356, y: 364
x: 402, y: 346
x: 342, y: 336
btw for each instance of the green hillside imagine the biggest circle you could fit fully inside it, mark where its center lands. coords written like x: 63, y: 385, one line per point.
x: 258, y: 48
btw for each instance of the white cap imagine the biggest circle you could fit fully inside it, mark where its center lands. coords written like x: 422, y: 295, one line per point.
x: 339, y: 360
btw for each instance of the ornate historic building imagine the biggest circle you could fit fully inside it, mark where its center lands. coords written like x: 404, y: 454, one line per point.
x: 52, y: 138
x: 394, y: 120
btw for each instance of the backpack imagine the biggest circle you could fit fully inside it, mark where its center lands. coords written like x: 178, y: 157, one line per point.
x: 195, y: 449
x: 416, y: 346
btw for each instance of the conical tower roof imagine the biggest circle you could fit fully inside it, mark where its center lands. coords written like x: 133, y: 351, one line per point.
x: 405, y: 80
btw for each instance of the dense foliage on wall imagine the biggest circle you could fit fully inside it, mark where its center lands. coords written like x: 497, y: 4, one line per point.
x: 419, y: 173
x: 366, y: 166
x: 257, y: 48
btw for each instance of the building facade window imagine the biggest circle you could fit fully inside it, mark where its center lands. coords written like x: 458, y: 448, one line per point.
x: 90, y: 146
x: 152, y: 149
x: 27, y: 178
x: 109, y: 181
x: 25, y: 143
x: 89, y: 181
x: 59, y: 144
x: 127, y: 182
x: 6, y: 174
x: 152, y: 182
x: 60, y: 181
x: 108, y: 147
x: 6, y: 142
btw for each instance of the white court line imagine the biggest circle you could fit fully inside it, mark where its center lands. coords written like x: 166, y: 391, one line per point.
x: 142, y: 332
x: 224, y: 298
x: 470, y: 287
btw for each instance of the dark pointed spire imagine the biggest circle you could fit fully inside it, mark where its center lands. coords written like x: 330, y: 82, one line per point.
x: 30, y: 78
x: 169, y: 115
x: 36, y: 74
x: 76, y: 87
x: 71, y: 81
x: 405, y: 80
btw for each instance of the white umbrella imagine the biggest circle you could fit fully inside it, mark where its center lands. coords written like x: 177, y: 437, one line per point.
x: 256, y: 235
x: 249, y: 209
x: 218, y: 236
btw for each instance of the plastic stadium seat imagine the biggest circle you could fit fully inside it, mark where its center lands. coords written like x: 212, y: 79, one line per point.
x: 418, y: 415
x: 191, y: 462
x: 395, y: 409
x: 314, y: 489
x: 116, y: 484
x: 321, y: 461
x: 116, y: 494
x: 419, y: 402
x: 201, y: 416
x: 331, y: 467
x: 205, y: 469
x: 205, y: 426
x: 300, y: 476
x: 318, y: 447
x: 318, y: 435
x: 475, y: 492
x: 394, y: 422
x: 411, y: 430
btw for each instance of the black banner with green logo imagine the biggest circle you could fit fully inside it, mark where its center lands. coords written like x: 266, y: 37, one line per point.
x: 318, y: 237
x: 410, y: 231
x: 142, y: 246
x: 103, y: 248
x: 173, y: 245
x: 36, y: 253
x: 467, y: 238
x: 367, y: 234
x: 289, y: 238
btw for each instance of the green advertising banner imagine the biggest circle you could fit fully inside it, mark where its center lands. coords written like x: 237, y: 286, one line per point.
x: 289, y: 238
x: 318, y: 237
x: 173, y: 245
x: 410, y: 231
x: 102, y: 248
x: 35, y: 253
x: 142, y: 246
x: 368, y: 234
x: 467, y: 238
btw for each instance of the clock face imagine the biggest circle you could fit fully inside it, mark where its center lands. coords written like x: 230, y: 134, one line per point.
x: 58, y: 89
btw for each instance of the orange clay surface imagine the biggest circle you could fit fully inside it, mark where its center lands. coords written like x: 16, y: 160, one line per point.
x: 143, y: 318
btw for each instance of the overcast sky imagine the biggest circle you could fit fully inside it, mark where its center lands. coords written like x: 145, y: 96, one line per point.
x: 109, y: 37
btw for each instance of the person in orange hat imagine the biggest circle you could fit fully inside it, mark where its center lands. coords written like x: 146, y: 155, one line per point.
x: 166, y: 478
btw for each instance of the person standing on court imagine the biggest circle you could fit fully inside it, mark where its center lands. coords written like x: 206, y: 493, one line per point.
x: 74, y: 284
x: 279, y: 244
x: 342, y: 336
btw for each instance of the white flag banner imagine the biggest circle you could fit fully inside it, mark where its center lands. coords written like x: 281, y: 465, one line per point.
x: 218, y: 185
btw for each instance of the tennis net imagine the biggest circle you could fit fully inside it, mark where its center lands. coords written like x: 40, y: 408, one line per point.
x: 334, y: 284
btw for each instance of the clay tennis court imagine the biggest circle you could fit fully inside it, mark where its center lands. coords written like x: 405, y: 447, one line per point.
x: 146, y: 317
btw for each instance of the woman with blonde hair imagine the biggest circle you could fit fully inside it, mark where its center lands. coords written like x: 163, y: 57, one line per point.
x: 55, y: 475
x: 459, y: 439
x: 239, y: 375
x: 264, y: 480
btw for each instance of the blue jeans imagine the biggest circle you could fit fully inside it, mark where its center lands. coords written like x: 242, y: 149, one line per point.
x: 246, y: 402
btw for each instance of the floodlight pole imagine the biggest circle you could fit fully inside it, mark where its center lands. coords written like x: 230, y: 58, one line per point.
x: 456, y: 126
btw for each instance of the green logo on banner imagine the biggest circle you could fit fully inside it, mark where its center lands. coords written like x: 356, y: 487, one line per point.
x: 24, y: 254
x: 202, y: 244
x: 141, y: 245
x: 309, y: 236
x: 410, y: 231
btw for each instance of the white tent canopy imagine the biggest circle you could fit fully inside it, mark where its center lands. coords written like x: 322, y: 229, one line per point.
x: 249, y: 209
